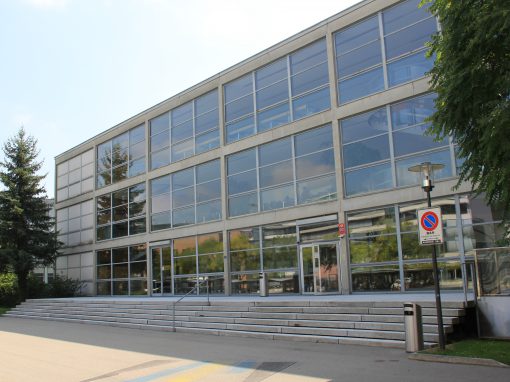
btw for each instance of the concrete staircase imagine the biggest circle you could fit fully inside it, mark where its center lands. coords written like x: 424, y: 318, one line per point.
x: 340, y: 322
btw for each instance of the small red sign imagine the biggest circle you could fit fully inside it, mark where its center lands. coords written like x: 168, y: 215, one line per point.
x: 429, y: 221
x: 341, y: 229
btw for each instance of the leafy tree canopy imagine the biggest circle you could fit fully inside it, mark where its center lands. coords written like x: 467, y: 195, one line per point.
x: 471, y: 76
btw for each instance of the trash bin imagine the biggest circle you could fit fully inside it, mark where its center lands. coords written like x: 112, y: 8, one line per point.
x: 413, y: 327
x: 263, y: 284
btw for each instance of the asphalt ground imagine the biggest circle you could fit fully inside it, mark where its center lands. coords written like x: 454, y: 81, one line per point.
x: 37, y: 350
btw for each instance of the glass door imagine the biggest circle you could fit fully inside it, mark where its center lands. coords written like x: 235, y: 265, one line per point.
x: 161, y: 270
x: 319, y: 267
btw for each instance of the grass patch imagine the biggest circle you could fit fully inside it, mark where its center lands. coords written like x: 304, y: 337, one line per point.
x: 498, y: 350
x: 3, y: 310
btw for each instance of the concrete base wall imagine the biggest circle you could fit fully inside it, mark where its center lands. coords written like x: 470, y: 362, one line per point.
x: 494, y: 316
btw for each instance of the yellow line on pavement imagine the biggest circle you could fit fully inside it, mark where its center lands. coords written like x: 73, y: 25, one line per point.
x: 197, y: 374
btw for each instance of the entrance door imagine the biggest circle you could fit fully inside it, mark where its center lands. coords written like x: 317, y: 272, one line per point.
x: 161, y: 270
x: 319, y: 267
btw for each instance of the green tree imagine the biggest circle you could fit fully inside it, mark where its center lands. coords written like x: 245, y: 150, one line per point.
x: 471, y: 76
x: 27, y: 237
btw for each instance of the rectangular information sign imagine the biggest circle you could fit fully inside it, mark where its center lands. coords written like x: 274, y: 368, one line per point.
x: 430, y: 225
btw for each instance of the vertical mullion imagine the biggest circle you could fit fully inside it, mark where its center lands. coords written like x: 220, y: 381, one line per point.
x: 291, y: 112
x: 390, y: 142
x: 259, y: 194
x: 195, y: 194
x: 294, y: 169
x: 254, y: 98
x: 396, y: 210
x: 383, y: 50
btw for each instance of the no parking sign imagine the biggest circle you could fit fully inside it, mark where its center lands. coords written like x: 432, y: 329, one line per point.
x: 430, y: 226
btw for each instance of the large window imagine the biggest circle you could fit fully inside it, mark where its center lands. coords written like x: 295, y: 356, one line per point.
x: 75, y: 224
x: 190, y: 196
x: 122, y: 271
x: 75, y: 176
x: 288, y: 89
x: 187, y: 130
x: 379, y: 146
x: 384, y: 50
x: 121, y: 213
x: 296, y: 170
x: 121, y: 157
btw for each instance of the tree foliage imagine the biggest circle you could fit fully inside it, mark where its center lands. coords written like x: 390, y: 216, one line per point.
x: 471, y: 76
x: 27, y: 237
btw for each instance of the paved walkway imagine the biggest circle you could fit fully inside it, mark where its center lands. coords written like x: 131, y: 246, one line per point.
x: 32, y: 350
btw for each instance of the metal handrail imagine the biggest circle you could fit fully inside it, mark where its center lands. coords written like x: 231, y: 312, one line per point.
x: 197, y: 285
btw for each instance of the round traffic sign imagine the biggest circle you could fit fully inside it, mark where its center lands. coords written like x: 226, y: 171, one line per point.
x: 429, y: 221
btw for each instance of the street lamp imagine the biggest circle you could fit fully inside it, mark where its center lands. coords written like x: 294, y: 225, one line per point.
x: 426, y: 170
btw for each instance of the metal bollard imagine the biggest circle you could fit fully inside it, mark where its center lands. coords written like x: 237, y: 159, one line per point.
x: 263, y: 284
x: 413, y: 327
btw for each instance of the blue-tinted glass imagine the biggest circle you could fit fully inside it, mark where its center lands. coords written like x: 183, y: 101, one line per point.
x: 182, y: 131
x: 309, y: 79
x: 159, y: 124
x: 410, y: 39
x: 183, y: 216
x: 160, y: 221
x: 182, y: 150
x: 413, y: 111
x: 160, y: 141
x: 309, y: 56
x: 272, y: 94
x: 137, y: 134
x: 316, y: 190
x: 182, y: 114
x: 208, y: 191
x: 137, y: 193
x: 238, y: 108
x: 206, y: 102
x: 206, y: 121
x: 357, y: 35
x: 209, y: 211
x: 184, y: 178
x: 137, y: 150
x: 120, y: 142
x: 403, y: 14
x: 275, y: 151
x: 160, y: 159
x: 361, y: 85
x: 274, y: 198
x: 160, y: 203
x: 183, y: 197
x: 238, y: 88
x: 314, y: 140
x: 407, y: 178
x: 274, y: 117
x: 276, y: 174
x: 160, y: 185
x: 413, y: 139
x: 104, y: 154
x: 243, y: 182
x: 242, y: 161
x: 311, y: 103
x: 120, y: 197
x: 271, y: 73
x: 242, y: 205
x: 366, y: 151
x: 409, y: 68
x: 366, y: 125
x: 368, y: 179
x: 137, y: 167
x: 362, y: 58
x: 315, y: 164
x: 207, y: 141
x: 240, y: 129
x: 208, y: 171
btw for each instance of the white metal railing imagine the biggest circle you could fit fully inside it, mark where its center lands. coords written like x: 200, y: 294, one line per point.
x: 198, y: 283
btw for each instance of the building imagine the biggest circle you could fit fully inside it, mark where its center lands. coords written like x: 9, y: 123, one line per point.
x: 253, y: 169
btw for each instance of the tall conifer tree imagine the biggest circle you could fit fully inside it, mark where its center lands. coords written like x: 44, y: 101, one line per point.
x: 27, y: 237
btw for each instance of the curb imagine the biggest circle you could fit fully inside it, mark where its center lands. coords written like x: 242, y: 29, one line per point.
x: 456, y: 360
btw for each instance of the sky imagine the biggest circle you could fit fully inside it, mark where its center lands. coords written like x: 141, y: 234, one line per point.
x: 70, y: 69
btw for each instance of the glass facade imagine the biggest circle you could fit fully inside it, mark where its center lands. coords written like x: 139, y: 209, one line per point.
x: 187, y: 130
x: 75, y: 176
x: 75, y: 224
x: 121, y: 213
x: 121, y: 157
x: 287, y: 89
x: 383, y: 51
x: 291, y: 171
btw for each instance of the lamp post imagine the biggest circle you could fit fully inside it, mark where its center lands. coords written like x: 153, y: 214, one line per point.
x: 426, y: 170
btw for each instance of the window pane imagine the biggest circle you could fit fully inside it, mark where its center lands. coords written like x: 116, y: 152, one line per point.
x: 160, y: 203
x: 359, y: 34
x: 247, y: 238
x: 120, y: 229
x: 383, y: 278
x: 136, y: 209
x: 365, y: 125
x: 137, y: 167
x: 119, y: 173
x: 308, y: 56
x: 274, y: 117
x: 403, y: 14
x: 242, y: 161
x: 182, y: 179
x: 410, y: 38
x: 120, y: 213
x: 182, y: 114
x: 242, y: 205
x: 120, y: 197
x: 279, y: 234
x: 310, y: 79
x: 182, y: 150
x: 160, y: 141
x: 271, y: 73
x: 185, y: 265
x: 137, y: 226
x: 315, y: 164
x: 206, y: 121
x: 372, y: 222
x: 137, y: 193
x: 240, y: 129
x: 359, y: 59
x: 160, y: 185
x: 368, y: 179
x: 409, y: 68
x: 184, y: 216
x: 239, y: 108
x: 210, y: 263
x: 361, y: 85
x: 314, y: 140
x: 160, y: 159
x: 374, y: 249
x: 366, y: 151
x: 159, y: 124
x: 206, y: 142
x: 103, y: 233
x: 183, y: 197
x: 208, y: 171
x: 209, y: 211
x: 238, y: 88
x: 413, y: 111
x: 243, y: 182
x: 407, y: 178
x: 311, y: 103
x: 276, y: 174
x: 244, y: 261
x: 137, y: 134
x: 278, y: 258
x: 182, y: 131
x: 275, y: 151
x: 272, y: 94
x: 413, y: 139
x: 208, y: 191
x: 210, y: 243
x: 316, y: 190
x: 274, y: 198
x: 120, y: 255
x: 160, y: 221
